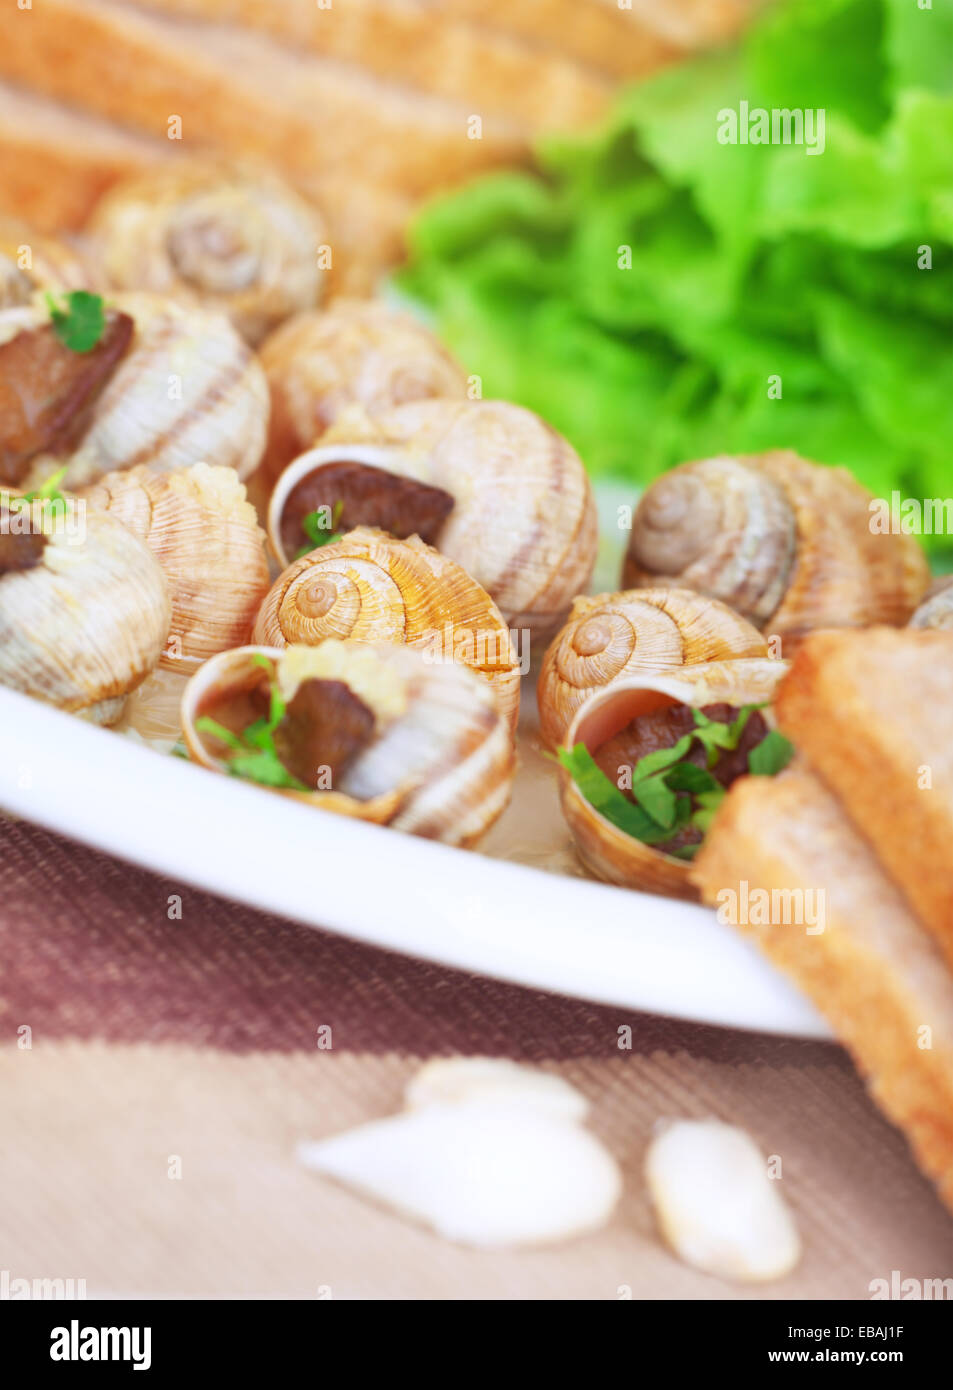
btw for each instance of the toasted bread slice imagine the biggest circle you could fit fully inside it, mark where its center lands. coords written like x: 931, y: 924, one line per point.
x: 872, y: 970
x: 873, y: 713
x: 495, y: 72
x: 240, y: 93
x: 55, y: 164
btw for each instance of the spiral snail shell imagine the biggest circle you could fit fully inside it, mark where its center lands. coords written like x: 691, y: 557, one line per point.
x: 84, y: 607
x: 786, y: 542
x: 182, y: 388
x: 489, y: 483
x: 31, y: 262
x: 372, y: 588
x: 233, y: 239
x: 387, y: 736
x: 354, y: 353
x: 613, y: 637
x: 608, y: 725
x: 936, y: 610
x: 204, y: 532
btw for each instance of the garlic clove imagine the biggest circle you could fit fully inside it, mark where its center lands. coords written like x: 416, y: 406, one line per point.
x: 486, y: 1174
x: 458, y: 1080
x: 716, y: 1205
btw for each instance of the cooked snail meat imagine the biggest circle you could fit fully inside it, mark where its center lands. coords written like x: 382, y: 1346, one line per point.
x: 359, y: 494
x: 46, y: 389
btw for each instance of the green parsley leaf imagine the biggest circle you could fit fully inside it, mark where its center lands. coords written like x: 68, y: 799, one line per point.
x: 265, y: 767
x: 79, y: 319
x: 254, y: 756
x: 654, y: 796
x: 607, y: 799
x: 319, y: 534
x: 771, y: 755
x: 663, y: 757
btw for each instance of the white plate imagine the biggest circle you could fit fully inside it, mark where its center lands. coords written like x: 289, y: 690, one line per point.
x: 499, y: 918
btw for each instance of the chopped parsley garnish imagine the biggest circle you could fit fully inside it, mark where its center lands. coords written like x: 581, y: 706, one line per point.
x: 78, y: 318
x: 670, y: 793
x: 312, y: 524
x: 254, y: 755
x: 48, y: 491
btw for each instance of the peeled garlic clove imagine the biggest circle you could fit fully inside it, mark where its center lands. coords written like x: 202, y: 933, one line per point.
x: 522, y: 521
x: 438, y: 760
x: 460, y: 1080
x: 608, y: 852
x: 204, y: 532
x: 369, y: 587
x: 31, y: 262
x: 716, y: 1205
x: 485, y: 1173
x: 83, y: 614
x: 936, y: 610
x: 357, y: 352
x: 233, y: 239
x: 787, y: 542
x: 612, y: 637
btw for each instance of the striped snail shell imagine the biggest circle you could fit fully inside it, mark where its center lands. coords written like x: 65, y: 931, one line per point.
x: 606, y: 725
x: 517, y: 514
x: 787, y: 542
x: 354, y: 353
x: 372, y: 588
x: 936, y: 610
x: 229, y: 238
x: 204, y: 532
x: 417, y: 746
x: 84, y: 611
x: 613, y: 637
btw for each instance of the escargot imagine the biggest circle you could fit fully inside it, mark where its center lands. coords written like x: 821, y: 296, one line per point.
x: 30, y: 262
x: 355, y: 353
x: 165, y: 386
x: 373, y: 588
x: 631, y: 718
x: 371, y: 730
x: 204, y: 532
x: 614, y: 636
x: 489, y: 483
x: 787, y: 542
x: 936, y: 610
x: 230, y: 238
x: 84, y: 606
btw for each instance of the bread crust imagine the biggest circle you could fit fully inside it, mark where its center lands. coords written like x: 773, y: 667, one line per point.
x: 872, y: 970
x: 872, y: 711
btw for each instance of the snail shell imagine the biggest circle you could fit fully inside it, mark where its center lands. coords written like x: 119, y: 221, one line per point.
x: 186, y: 390
x: 615, y: 636
x: 84, y: 611
x: 523, y: 522
x: 226, y: 238
x: 356, y: 352
x: 439, y: 760
x: 785, y: 541
x: 936, y: 610
x: 372, y: 588
x: 31, y: 262
x: 204, y: 532
x: 607, y: 851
